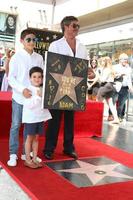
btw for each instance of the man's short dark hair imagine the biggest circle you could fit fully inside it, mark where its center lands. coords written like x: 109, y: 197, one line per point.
x: 26, y: 32
x: 67, y: 21
x: 35, y: 69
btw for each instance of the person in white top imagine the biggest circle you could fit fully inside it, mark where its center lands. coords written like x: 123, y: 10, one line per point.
x: 67, y: 45
x: 108, y: 87
x: 18, y: 77
x: 33, y: 117
x: 5, y: 86
x: 93, y: 79
x: 123, y: 69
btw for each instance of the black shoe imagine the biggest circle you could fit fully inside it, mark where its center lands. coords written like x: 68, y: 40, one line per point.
x: 72, y: 154
x: 49, y: 155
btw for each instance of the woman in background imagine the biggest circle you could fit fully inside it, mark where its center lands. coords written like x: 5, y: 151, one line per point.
x: 108, y: 87
x: 93, y: 80
x: 5, y: 86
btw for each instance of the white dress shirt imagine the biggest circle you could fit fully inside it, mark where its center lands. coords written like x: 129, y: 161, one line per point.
x: 32, y: 111
x: 19, y: 66
x: 62, y: 47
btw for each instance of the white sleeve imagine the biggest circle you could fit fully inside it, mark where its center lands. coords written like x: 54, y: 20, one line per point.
x: 12, y: 75
x: 85, y: 53
x: 53, y: 47
x: 42, y: 63
x: 32, y: 102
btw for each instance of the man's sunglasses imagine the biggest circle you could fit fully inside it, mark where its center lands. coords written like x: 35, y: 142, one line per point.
x: 76, y: 26
x: 31, y: 39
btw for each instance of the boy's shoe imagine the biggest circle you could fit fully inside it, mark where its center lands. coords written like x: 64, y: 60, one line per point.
x: 13, y: 160
x: 31, y: 164
x: 23, y: 157
x: 37, y: 158
x: 39, y: 164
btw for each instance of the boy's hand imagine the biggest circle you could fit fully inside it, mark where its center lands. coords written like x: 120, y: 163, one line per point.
x: 27, y: 93
x: 9, y: 53
x: 39, y: 93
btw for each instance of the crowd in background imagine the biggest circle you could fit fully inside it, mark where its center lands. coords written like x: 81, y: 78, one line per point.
x: 110, y: 83
x: 106, y: 82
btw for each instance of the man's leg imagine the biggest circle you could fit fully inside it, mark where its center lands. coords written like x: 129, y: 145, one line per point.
x: 69, y: 148
x: 68, y: 130
x: 52, y: 133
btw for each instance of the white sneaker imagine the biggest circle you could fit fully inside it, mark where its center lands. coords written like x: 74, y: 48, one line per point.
x: 37, y: 158
x: 23, y: 157
x: 13, y: 160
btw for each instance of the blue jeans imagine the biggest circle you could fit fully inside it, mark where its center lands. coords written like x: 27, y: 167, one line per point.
x: 15, y: 126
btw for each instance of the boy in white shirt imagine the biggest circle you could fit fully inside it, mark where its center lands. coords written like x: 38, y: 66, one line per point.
x: 34, y: 117
x: 18, y: 77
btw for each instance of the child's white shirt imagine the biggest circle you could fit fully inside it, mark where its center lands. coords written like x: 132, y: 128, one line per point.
x: 32, y: 108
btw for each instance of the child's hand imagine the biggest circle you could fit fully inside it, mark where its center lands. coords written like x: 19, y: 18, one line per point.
x: 27, y: 93
x: 9, y: 53
x: 39, y: 92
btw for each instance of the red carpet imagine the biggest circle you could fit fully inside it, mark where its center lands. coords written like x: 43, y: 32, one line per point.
x: 87, y: 123
x: 47, y: 185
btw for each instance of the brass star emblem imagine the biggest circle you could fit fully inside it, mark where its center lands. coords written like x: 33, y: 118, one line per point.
x: 67, y: 84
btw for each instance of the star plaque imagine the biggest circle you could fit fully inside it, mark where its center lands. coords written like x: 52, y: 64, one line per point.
x: 65, y: 82
x: 92, y: 171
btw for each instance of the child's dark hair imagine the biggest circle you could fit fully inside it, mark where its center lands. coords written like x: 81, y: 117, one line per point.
x: 35, y: 69
x: 27, y: 32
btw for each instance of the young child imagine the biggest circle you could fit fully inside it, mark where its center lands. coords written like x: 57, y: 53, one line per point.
x: 18, y: 77
x: 33, y: 117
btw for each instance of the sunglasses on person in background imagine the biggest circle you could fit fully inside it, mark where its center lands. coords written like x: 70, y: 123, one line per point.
x: 31, y: 39
x: 76, y: 26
